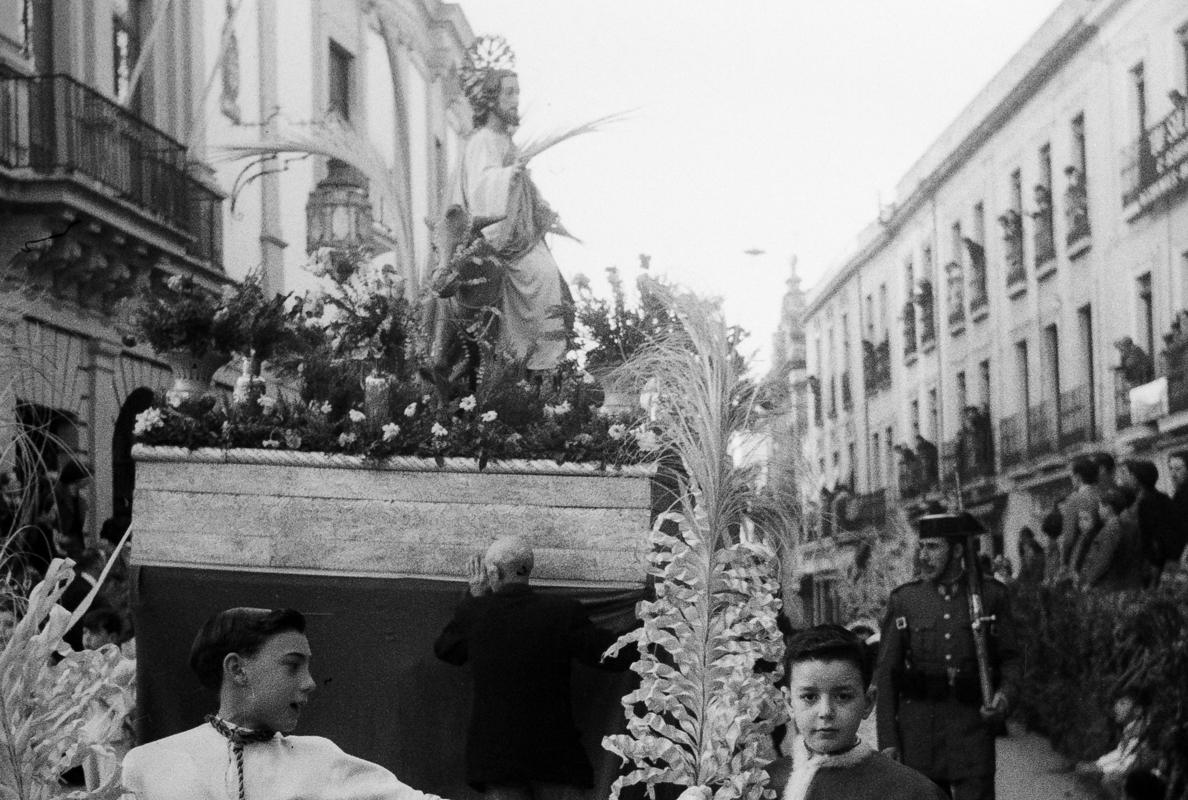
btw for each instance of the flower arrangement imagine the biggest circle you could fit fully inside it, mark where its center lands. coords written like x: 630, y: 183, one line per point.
x: 181, y: 315
x: 504, y: 420
x: 613, y: 331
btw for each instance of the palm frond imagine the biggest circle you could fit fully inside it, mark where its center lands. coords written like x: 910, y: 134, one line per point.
x: 535, y: 145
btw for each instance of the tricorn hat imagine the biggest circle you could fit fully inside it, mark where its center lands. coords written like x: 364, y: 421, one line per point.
x: 950, y: 526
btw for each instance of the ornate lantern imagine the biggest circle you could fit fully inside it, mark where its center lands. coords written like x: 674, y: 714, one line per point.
x: 338, y: 214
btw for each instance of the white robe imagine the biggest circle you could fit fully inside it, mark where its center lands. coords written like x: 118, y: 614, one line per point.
x: 198, y: 765
x: 532, y: 285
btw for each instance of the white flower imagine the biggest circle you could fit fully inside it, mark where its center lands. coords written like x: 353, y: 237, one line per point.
x: 270, y: 443
x: 174, y: 399
x: 617, y: 431
x: 266, y: 402
x: 559, y: 410
x: 490, y: 416
x: 147, y: 420
x: 410, y: 410
x: 356, y: 415
x: 468, y: 403
x: 292, y: 440
x: 646, y: 439
x: 346, y: 438
x: 176, y: 283
x: 391, y: 431
x: 587, y: 378
x: 425, y: 398
x: 438, y: 430
x: 326, y: 407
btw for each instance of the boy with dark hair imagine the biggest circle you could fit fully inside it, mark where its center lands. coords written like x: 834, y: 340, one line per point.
x: 258, y: 660
x: 829, y: 693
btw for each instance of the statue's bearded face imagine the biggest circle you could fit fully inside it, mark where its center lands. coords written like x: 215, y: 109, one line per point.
x: 507, y: 105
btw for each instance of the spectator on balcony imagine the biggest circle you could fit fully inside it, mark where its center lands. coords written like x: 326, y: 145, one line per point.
x: 1031, y: 558
x: 1080, y: 521
x: 1114, y: 559
x: 1177, y: 466
x: 1051, y: 527
x: 929, y: 462
x: 1161, y: 530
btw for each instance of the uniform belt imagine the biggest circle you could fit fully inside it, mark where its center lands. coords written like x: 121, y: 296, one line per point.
x: 919, y: 685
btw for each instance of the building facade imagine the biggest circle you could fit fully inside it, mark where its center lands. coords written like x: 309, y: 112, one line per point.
x: 141, y: 139
x: 994, y: 321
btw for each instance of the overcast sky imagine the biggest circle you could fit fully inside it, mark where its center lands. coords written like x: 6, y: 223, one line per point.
x: 756, y: 124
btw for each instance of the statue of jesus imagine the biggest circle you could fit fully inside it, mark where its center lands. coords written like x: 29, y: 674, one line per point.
x: 493, y: 181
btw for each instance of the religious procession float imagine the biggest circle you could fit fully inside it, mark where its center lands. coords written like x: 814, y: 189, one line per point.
x: 374, y: 441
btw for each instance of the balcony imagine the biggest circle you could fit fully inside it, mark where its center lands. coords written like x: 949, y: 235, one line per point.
x: 872, y: 508
x: 926, y: 301
x: 909, y: 329
x: 1042, y: 429
x: 971, y: 454
x: 1156, y: 164
x: 1012, y: 239
x: 55, y: 127
x: 1012, y: 440
x: 847, y: 391
x: 1076, y: 416
x: 1076, y: 210
x: 876, y: 366
x: 1045, y: 241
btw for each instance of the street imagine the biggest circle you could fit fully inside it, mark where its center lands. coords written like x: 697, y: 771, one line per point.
x: 1028, y: 769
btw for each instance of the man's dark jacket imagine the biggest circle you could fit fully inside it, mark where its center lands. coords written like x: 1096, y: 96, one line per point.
x: 519, y: 645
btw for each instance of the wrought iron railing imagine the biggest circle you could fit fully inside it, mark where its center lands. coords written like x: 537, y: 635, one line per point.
x: 1176, y: 362
x: 1076, y: 416
x: 52, y: 124
x: 1042, y: 429
x: 872, y: 508
x: 1156, y: 164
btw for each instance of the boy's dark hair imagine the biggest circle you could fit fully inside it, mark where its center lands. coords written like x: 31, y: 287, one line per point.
x: 1145, y: 472
x: 103, y: 619
x: 830, y: 643
x: 1139, y: 695
x: 1143, y: 785
x: 237, y: 630
x: 1103, y: 460
x: 1085, y: 468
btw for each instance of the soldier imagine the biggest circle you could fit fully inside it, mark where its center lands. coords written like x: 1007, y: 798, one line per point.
x: 931, y: 714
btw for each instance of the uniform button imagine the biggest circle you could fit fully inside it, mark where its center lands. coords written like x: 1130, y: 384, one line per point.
x: 947, y: 616
x: 948, y: 658
x: 948, y: 636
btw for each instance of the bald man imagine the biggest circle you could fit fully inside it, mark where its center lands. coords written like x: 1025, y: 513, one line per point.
x: 522, y: 743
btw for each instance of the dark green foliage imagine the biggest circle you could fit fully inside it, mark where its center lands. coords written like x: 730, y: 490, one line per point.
x: 1082, y: 648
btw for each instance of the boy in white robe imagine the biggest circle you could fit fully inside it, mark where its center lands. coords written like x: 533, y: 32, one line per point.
x: 259, y: 661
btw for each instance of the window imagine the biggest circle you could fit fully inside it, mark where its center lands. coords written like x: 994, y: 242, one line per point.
x: 125, y: 44
x: 955, y: 242
x: 1182, y: 36
x: 984, y: 384
x: 339, y: 71
x: 1078, y: 142
x: 1017, y: 191
x: 883, y: 312
x: 1146, y: 313
x: 870, y: 324
x: 852, y: 465
x: 889, y: 443
x: 962, y: 394
x: 933, y: 416
x: 909, y: 278
x: 1045, y: 166
x: 1023, y: 372
x: 26, y: 27
x: 876, y: 461
x: 1085, y: 331
x: 1138, y: 93
x: 915, y: 419
x: 1051, y: 362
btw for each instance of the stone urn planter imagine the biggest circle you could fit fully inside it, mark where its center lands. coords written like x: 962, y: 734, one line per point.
x: 192, y: 374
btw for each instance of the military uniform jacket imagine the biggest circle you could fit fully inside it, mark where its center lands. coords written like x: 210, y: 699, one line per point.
x: 929, y: 697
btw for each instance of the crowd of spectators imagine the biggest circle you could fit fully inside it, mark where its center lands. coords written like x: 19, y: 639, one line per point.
x: 1116, y: 530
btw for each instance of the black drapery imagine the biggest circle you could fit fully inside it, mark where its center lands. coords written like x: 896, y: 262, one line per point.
x: 382, y: 695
